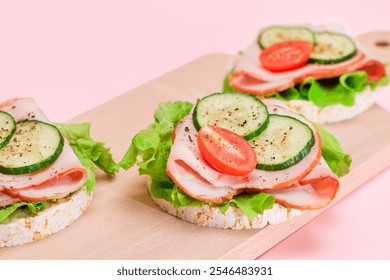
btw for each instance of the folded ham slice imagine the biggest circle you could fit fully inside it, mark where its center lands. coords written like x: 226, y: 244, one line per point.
x: 249, y: 75
x: 315, y: 191
x: 59, y: 179
x: 7, y: 200
x: 309, y: 184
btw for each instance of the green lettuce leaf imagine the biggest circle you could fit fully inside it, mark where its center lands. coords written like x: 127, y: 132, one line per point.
x: 289, y: 94
x: 250, y: 204
x: 340, y: 90
x: 338, y: 161
x: 173, y: 194
x: 29, y: 207
x: 91, y: 153
x: 152, y: 145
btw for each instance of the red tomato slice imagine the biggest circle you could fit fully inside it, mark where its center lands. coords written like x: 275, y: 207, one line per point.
x: 286, y: 56
x: 226, y: 151
x: 375, y: 70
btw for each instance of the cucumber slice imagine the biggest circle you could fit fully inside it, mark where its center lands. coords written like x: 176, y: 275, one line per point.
x: 33, y: 146
x: 284, y: 143
x: 332, y: 48
x: 7, y: 128
x: 278, y: 34
x: 241, y: 113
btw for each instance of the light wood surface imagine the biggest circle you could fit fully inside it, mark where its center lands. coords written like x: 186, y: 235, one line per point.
x: 377, y: 43
x: 123, y: 222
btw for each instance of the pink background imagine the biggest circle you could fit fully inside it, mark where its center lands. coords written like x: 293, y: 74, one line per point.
x: 74, y: 55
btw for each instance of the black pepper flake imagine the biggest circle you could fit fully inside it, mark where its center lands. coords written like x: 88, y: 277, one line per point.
x: 186, y: 129
x: 243, y: 123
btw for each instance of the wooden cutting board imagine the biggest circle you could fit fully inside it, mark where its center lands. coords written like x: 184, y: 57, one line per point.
x: 123, y: 222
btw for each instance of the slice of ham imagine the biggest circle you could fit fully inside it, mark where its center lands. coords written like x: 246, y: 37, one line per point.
x: 57, y: 187
x: 195, y: 185
x: 315, y: 191
x: 249, y: 75
x: 7, y: 200
x: 196, y: 178
x: 59, y: 179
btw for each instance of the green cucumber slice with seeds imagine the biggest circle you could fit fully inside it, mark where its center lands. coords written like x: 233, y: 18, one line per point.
x: 7, y: 128
x: 285, y: 142
x: 241, y: 113
x: 33, y: 146
x: 332, y: 48
x: 278, y: 34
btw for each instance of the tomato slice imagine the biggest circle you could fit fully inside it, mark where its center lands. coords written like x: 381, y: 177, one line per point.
x: 286, y: 56
x: 375, y: 70
x: 226, y: 151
